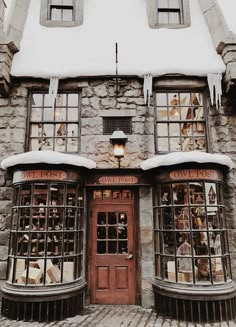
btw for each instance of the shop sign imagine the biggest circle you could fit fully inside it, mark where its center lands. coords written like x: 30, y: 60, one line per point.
x: 110, y: 180
x: 194, y: 174
x: 29, y: 175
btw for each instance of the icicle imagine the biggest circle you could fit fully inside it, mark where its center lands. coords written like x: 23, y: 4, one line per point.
x: 214, y: 84
x: 53, y: 87
x: 147, y: 88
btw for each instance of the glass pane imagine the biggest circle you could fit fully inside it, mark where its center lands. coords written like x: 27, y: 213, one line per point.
x: 163, y: 144
x: 67, y: 15
x: 101, y: 247
x: 48, y: 114
x: 36, y: 130
x: 167, y: 218
x: 174, y: 17
x: 162, y: 17
x: 101, y: 231
x: 180, y: 193
x: 112, y: 249
x: 60, y: 129
x: 169, y: 242
x: 60, y: 114
x: 196, y: 193
x: 73, y: 99
x: 69, y: 270
x: 36, y: 114
x: 112, y: 219
x: 60, y: 144
x: 227, y: 267
x: 112, y: 232
x: 72, y: 130
x: 199, y: 217
x: 182, y: 218
x: 165, y: 194
x: 161, y: 99
x: 55, y: 14
x: 162, y: 129
x: 200, y: 144
x: 123, y: 247
x: 61, y: 100
x: 162, y: 114
x: 37, y: 100
x: 101, y: 218
x: 72, y: 144
x: 187, y: 129
x: 174, y: 129
x: 73, y: 114
x: 203, y: 270
x: 175, y: 144
x: 47, y: 144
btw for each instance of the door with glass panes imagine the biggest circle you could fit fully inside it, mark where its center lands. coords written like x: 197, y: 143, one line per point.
x: 112, y: 264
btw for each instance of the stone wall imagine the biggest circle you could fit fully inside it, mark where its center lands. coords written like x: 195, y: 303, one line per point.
x: 98, y: 101
x: 222, y: 124
x: 2, y: 15
x: 13, y: 112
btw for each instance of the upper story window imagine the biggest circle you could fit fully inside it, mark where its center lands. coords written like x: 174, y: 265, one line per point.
x: 55, y: 129
x: 65, y: 13
x: 61, y: 10
x: 168, y: 13
x: 180, y: 122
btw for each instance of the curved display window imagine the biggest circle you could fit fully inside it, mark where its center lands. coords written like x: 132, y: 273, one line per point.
x: 192, y: 259
x: 191, y: 244
x: 47, y: 233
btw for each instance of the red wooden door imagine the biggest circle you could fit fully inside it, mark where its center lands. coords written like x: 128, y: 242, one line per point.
x: 112, y: 267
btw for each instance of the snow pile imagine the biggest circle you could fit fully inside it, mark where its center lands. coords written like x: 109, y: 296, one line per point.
x: 228, y: 8
x: 89, y: 49
x: 48, y: 157
x: 176, y: 158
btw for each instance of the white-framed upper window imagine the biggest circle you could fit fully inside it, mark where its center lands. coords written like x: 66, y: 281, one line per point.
x: 168, y: 13
x: 64, y: 13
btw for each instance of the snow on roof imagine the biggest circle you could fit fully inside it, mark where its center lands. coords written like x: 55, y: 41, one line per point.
x: 176, y: 158
x: 228, y: 8
x: 89, y: 49
x: 48, y: 157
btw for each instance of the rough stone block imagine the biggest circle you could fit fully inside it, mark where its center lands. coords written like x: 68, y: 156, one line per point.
x: 4, y: 237
x: 3, y: 269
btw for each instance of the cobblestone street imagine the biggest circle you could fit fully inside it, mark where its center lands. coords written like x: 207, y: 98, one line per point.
x: 113, y: 316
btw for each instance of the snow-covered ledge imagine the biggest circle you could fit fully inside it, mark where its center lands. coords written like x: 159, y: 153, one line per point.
x: 176, y: 158
x: 48, y: 157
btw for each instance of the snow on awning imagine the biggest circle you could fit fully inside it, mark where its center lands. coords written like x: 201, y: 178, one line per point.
x: 48, y: 157
x: 176, y: 158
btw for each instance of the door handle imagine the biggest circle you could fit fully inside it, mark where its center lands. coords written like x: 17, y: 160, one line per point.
x: 130, y: 255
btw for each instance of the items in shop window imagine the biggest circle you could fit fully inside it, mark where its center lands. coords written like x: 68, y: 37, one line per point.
x: 203, y: 269
x: 165, y: 198
x: 184, y: 263
x: 217, y: 245
x: 182, y: 221
x: 212, y: 196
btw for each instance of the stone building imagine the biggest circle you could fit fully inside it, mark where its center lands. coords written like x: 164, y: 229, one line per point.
x: 81, y: 223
